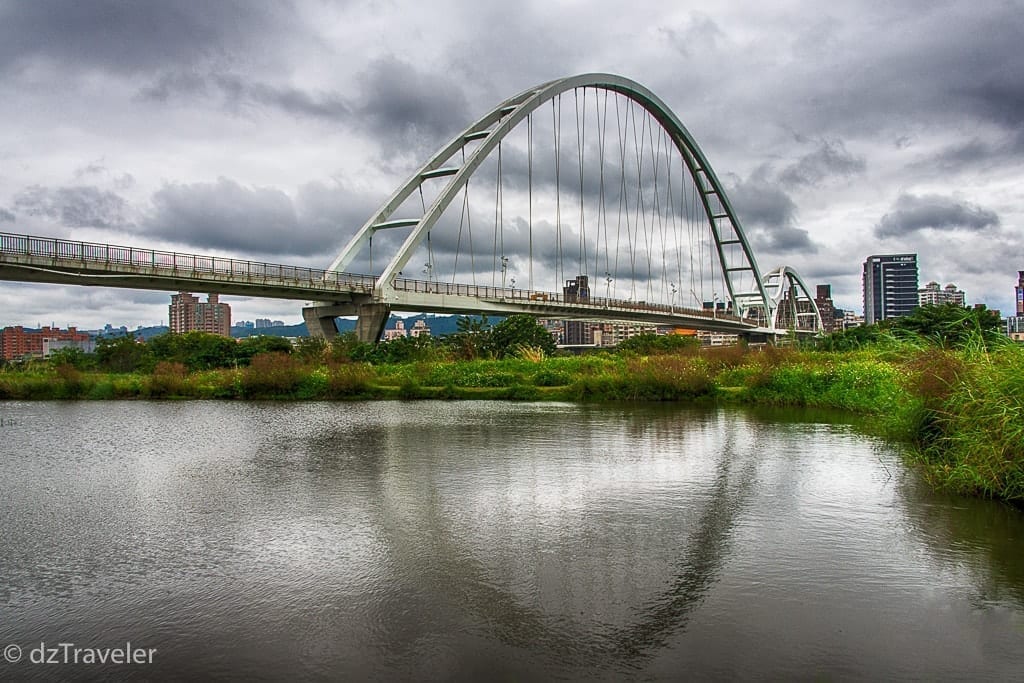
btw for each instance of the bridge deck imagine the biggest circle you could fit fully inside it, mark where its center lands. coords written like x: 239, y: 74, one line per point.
x: 50, y: 260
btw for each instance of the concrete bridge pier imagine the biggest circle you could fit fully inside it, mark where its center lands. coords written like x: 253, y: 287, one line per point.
x: 320, y: 322
x: 370, y: 320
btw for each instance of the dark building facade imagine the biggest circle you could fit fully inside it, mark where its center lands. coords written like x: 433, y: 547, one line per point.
x: 1020, y: 293
x: 890, y: 286
x: 823, y: 300
x: 577, y: 332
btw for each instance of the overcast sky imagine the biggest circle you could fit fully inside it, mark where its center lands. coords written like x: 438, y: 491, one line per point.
x: 874, y: 127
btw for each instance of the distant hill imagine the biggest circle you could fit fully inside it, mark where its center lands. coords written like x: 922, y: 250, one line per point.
x: 439, y: 325
x: 148, y: 333
x: 298, y: 330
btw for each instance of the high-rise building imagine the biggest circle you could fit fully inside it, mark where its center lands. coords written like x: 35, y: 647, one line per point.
x: 188, y: 314
x: 577, y: 332
x: 934, y: 295
x: 890, y: 286
x: 1020, y: 293
x: 823, y: 300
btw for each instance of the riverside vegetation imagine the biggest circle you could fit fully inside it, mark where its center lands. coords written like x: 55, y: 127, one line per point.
x: 942, y: 379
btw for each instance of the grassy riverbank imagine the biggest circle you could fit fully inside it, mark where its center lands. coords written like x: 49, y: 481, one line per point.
x: 963, y: 410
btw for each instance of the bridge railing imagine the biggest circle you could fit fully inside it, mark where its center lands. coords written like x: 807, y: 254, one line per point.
x: 527, y: 297
x: 68, y: 253
x: 61, y: 252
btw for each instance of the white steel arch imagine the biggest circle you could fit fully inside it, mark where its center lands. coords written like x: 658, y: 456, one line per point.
x: 791, y: 299
x: 489, y: 130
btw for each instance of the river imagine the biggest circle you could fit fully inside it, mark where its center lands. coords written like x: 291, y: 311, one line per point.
x: 472, y: 540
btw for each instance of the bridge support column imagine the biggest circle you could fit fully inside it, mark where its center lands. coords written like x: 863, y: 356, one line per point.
x: 320, y: 322
x: 371, y: 321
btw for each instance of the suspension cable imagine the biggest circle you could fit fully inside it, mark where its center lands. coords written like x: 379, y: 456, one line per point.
x: 602, y: 210
x: 529, y: 182
x: 556, y: 120
x: 497, y: 220
x: 581, y: 135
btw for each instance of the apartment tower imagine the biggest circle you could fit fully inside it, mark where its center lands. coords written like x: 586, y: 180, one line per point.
x: 890, y: 286
x: 188, y: 314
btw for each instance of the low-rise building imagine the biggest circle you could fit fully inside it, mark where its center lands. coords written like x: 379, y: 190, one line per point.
x: 1015, y: 327
x: 419, y: 329
x: 851, y: 320
x: 17, y: 342
x: 397, y: 331
x: 934, y: 295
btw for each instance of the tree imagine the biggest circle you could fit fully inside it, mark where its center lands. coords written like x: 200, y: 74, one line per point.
x: 347, y: 347
x: 853, y: 338
x: 123, y: 354
x: 516, y: 332
x: 651, y: 344
x: 249, y: 347
x: 73, y: 356
x: 398, y: 350
x: 195, y: 350
x: 311, y: 350
x: 471, y: 339
x: 951, y: 326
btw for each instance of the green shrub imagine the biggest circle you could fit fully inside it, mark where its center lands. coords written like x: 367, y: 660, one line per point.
x: 168, y: 379
x: 271, y: 375
x: 347, y: 380
x: 547, y: 377
x: 71, y: 383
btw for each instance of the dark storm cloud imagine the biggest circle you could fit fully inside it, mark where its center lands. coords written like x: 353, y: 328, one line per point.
x: 257, y: 220
x: 961, y: 154
x: 1000, y: 98
x: 760, y: 202
x: 238, y: 94
x: 974, y: 154
x: 74, y: 207
x: 6, y: 216
x: 225, y: 215
x: 898, y: 73
x: 130, y: 37
x: 912, y: 213
x: 407, y: 110
x: 830, y: 159
x: 768, y: 215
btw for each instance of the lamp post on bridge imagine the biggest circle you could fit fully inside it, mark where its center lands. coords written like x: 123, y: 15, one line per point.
x: 504, y: 270
x: 428, y: 269
x: 672, y: 299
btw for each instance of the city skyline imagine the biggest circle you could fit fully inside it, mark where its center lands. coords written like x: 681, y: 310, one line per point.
x: 272, y: 131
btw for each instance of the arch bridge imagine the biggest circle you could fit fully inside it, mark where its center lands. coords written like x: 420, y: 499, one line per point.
x: 582, y: 198
x: 589, y: 200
